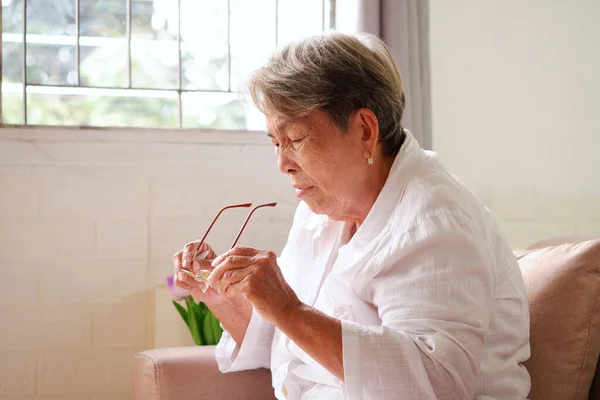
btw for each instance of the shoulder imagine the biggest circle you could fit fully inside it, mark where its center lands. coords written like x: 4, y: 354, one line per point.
x: 438, y: 215
x: 434, y: 200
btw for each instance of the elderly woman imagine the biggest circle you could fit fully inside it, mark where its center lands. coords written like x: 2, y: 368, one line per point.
x: 395, y: 281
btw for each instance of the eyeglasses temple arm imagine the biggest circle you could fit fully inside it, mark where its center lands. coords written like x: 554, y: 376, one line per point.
x: 248, y: 219
x: 245, y: 205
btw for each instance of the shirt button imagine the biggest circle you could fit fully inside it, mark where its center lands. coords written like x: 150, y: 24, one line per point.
x: 284, y: 391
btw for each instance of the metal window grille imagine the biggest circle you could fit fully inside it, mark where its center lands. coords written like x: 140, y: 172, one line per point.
x: 327, y: 22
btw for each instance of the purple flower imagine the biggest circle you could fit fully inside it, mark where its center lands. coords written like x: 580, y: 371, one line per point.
x: 177, y: 292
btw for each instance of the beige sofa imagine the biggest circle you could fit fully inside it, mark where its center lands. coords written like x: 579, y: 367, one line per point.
x: 563, y: 287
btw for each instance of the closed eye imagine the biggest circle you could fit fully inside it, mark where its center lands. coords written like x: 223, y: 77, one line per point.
x: 273, y: 140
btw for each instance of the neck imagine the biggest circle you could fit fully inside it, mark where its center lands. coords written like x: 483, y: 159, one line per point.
x: 367, y: 195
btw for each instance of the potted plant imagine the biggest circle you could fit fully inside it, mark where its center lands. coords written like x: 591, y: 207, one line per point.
x: 204, y: 327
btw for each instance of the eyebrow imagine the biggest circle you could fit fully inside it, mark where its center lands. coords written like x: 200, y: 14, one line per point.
x: 280, y: 127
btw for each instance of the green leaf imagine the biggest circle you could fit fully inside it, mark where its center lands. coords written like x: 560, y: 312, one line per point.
x: 203, y: 307
x: 197, y: 308
x: 194, y: 329
x: 194, y: 324
x: 182, y: 311
x: 207, y: 329
x: 217, y: 330
x: 200, y: 319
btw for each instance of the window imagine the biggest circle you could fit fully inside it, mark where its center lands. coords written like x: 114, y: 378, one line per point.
x: 143, y: 63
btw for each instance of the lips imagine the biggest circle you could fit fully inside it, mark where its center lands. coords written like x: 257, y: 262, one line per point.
x: 302, y: 189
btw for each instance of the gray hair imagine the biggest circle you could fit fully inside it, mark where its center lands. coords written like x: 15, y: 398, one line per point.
x: 337, y: 73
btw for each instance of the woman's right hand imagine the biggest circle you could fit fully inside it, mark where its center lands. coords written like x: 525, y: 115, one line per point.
x: 204, y: 255
x: 234, y: 313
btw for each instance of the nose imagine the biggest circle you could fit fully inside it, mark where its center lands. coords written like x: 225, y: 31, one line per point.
x: 285, y: 163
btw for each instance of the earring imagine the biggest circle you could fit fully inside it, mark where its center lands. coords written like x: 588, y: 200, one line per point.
x: 370, y: 160
x: 368, y: 157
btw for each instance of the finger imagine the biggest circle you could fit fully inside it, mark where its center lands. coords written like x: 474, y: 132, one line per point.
x: 206, y: 249
x: 199, y: 264
x: 177, y: 261
x: 237, y: 288
x: 230, y: 277
x: 181, y: 275
x: 204, y: 252
x: 177, y: 269
x: 189, y: 252
x: 189, y: 280
x: 229, y: 263
x: 185, y: 286
x: 236, y: 251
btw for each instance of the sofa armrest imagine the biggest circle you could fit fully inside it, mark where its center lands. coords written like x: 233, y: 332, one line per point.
x: 192, y: 373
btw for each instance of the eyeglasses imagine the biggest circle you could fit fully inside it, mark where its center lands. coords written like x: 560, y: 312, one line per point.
x: 202, y: 275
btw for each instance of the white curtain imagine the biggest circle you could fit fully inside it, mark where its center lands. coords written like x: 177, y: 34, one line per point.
x: 404, y: 26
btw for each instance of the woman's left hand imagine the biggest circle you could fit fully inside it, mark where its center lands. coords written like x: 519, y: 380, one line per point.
x: 255, y: 274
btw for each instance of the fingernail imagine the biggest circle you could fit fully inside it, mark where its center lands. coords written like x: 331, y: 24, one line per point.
x: 180, y: 276
x: 196, y: 266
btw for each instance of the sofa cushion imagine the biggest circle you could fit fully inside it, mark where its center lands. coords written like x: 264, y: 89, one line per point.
x: 191, y: 373
x: 563, y: 288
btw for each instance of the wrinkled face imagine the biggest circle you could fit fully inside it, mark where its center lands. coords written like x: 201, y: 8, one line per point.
x: 326, y: 166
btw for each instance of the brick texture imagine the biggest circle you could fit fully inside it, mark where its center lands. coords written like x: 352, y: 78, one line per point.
x: 95, y: 371
x: 20, y: 196
x: 119, y: 325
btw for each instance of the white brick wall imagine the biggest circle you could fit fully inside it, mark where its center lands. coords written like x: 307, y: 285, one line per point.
x: 20, y: 196
x: 63, y: 282
x: 119, y: 325
x: 84, y: 193
x: 41, y: 238
x: 85, y: 371
x: 89, y: 221
x: 122, y: 238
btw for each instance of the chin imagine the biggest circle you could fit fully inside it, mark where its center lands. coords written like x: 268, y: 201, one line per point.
x: 316, y: 207
x: 320, y: 204
x: 322, y: 209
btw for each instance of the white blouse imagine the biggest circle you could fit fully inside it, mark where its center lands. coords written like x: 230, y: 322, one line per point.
x: 430, y: 296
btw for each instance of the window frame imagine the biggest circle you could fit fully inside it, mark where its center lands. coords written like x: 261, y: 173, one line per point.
x: 327, y: 22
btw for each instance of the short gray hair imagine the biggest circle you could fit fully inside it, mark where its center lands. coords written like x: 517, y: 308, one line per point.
x: 337, y: 73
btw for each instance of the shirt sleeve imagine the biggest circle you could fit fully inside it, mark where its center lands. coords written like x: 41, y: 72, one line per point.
x: 255, y: 351
x: 434, y: 298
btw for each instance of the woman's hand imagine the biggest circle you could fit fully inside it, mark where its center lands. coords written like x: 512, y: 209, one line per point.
x: 255, y: 275
x: 204, y: 254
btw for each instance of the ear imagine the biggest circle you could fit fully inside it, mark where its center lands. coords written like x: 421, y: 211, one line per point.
x: 367, y: 124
